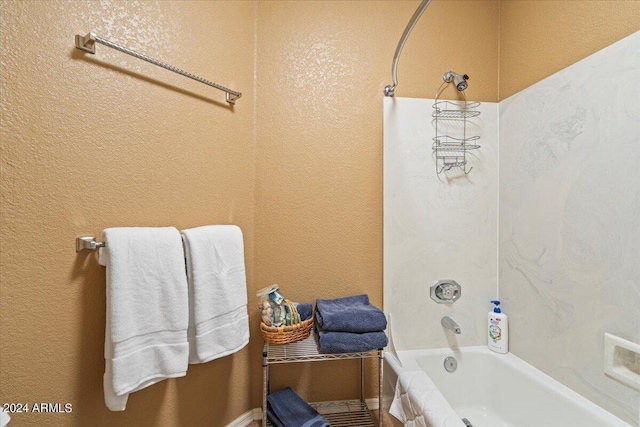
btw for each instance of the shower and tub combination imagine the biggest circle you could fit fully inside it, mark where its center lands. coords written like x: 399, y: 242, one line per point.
x: 476, y: 387
x: 532, y: 224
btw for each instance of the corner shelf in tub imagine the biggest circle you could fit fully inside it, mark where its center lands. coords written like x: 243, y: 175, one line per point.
x: 338, y: 413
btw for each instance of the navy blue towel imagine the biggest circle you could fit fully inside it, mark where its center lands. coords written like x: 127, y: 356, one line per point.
x: 349, y: 342
x: 350, y: 314
x: 305, y: 310
x: 286, y: 409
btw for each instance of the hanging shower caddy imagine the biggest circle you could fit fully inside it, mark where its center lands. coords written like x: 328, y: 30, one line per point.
x: 453, y: 140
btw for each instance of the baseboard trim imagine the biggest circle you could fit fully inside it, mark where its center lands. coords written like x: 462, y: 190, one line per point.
x: 257, y: 414
x: 243, y: 420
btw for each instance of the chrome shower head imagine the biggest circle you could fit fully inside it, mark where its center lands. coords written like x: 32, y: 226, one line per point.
x: 459, y: 80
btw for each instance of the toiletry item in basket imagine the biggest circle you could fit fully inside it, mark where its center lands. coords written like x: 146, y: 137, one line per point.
x: 498, y: 337
x: 266, y: 312
x: 271, y: 306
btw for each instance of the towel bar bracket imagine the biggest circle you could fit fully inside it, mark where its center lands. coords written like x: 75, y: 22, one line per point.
x: 87, y: 243
x: 231, y: 98
x: 86, y: 43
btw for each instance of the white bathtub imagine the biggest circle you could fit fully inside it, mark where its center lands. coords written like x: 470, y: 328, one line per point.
x: 500, y: 390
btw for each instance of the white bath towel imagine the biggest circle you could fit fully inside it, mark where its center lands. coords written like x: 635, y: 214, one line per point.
x: 4, y: 418
x: 147, y: 310
x: 419, y: 403
x: 218, y: 319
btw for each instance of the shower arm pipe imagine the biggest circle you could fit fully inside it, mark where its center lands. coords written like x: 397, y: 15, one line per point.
x: 391, y: 89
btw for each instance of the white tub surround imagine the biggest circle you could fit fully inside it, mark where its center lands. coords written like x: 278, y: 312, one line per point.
x: 569, y: 220
x: 437, y: 227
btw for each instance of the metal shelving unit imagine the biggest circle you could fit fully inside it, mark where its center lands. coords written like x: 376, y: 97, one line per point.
x: 343, y: 413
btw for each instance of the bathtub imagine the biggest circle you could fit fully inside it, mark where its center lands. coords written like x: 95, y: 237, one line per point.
x: 499, y: 390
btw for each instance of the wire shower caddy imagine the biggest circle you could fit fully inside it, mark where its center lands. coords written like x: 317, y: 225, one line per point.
x: 452, y: 143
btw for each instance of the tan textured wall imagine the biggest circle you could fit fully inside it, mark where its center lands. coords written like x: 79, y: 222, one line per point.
x: 539, y: 38
x: 321, y: 68
x: 167, y: 151
x: 90, y: 142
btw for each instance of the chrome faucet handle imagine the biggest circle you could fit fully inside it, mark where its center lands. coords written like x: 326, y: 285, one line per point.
x: 446, y: 291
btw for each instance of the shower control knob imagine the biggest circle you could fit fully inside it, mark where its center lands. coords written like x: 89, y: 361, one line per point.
x: 466, y: 77
x: 446, y: 291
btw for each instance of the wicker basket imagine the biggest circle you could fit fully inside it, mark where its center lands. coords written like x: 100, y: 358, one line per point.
x: 286, y: 334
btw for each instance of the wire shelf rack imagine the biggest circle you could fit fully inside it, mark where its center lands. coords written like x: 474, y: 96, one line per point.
x: 452, y: 110
x: 451, y: 151
x: 307, y: 350
x: 344, y: 413
x: 340, y: 413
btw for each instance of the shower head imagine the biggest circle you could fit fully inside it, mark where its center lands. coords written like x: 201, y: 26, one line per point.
x: 459, y: 80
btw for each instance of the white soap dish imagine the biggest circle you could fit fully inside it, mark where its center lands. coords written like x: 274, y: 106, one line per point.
x: 622, y: 361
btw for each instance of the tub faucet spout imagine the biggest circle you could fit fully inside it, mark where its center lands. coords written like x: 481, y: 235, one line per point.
x: 449, y: 323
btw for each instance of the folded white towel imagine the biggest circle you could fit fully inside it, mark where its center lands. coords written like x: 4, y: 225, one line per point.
x: 147, y: 310
x: 218, y: 319
x: 4, y: 418
x: 419, y: 403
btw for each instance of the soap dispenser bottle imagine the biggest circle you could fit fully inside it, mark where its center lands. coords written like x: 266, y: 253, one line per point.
x: 498, y: 337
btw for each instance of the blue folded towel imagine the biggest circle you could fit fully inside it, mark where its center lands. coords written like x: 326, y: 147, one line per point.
x: 350, y: 314
x: 305, y: 310
x: 286, y: 409
x: 349, y: 342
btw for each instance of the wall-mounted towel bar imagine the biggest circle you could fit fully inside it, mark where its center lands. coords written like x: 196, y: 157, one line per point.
x: 88, y: 44
x: 87, y: 242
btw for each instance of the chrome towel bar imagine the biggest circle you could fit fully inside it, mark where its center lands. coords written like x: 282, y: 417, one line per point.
x: 88, y: 44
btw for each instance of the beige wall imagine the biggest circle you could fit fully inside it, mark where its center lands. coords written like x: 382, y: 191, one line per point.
x: 541, y: 37
x: 302, y: 175
x: 321, y: 68
x: 90, y: 142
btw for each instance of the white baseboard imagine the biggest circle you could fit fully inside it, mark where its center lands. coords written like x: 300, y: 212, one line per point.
x: 243, y: 420
x: 257, y: 414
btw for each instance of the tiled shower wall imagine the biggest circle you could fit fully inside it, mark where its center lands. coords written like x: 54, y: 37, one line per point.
x: 566, y: 213
x: 570, y: 220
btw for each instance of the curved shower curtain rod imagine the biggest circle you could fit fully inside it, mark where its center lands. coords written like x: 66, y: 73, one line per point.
x: 390, y: 90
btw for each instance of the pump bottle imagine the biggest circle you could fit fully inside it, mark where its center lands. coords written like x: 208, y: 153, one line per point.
x: 498, y: 330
